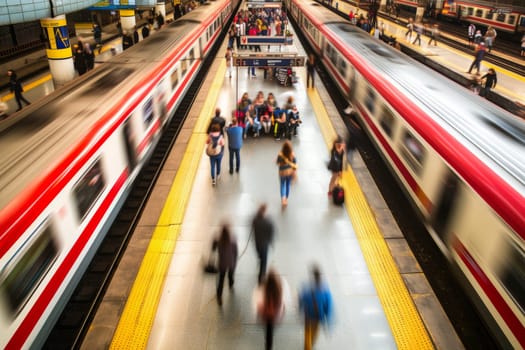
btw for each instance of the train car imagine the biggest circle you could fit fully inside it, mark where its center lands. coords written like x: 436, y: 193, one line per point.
x: 484, y: 13
x: 459, y: 158
x: 69, y: 163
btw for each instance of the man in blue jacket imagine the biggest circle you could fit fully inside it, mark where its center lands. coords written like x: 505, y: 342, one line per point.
x: 316, y: 302
x: 234, y: 132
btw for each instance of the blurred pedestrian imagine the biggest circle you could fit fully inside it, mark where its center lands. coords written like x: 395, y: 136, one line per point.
x: 145, y: 31
x: 491, y: 79
x: 263, y: 232
x: 127, y: 41
x: 315, y: 300
x: 478, y: 37
x: 215, y: 150
x: 490, y: 36
x: 234, y: 132
x: 419, y: 30
x: 522, y: 53
x: 335, y: 165
x: 434, y: 34
x: 217, y: 119
x: 310, y: 70
x: 16, y: 88
x: 287, y: 170
x: 471, y: 32
x: 478, y: 57
x: 97, y: 34
x: 269, y: 300
x: 79, y: 60
x: 229, y: 61
x: 135, y: 36
x: 226, y: 245
x: 160, y: 20
x: 89, y: 56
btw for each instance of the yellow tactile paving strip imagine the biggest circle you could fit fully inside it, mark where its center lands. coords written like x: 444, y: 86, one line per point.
x: 139, y: 313
x: 407, y: 327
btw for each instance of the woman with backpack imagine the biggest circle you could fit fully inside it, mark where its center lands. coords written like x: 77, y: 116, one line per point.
x: 215, y: 150
x: 287, y: 170
x: 335, y: 165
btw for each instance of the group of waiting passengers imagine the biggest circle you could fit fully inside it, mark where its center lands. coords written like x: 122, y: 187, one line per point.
x: 264, y: 116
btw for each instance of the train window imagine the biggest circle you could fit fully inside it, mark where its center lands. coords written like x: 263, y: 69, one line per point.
x: 370, y: 100
x: 387, y: 121
x: 88, y: 188
x: 470, y: 11
x: 147, y: 114
x: 174, y: 78
x: 22, y: 279
x: 513, y: 276
x: 501, y: 17
x: 183, y: 67
x: 191, y: 55
x: 489, y: 15
x: 413, y: 152
x: 511, y: 19
x: 342, y: 67
x: 479, y: 13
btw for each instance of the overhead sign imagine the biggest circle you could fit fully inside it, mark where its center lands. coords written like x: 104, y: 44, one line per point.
x: 266, y: 40
x: 269, y: 61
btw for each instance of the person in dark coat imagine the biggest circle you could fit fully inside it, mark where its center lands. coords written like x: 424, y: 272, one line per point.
x: 227, y: 248
x: 145, y: 31
x: 127, y: 41
x: 160, y: 20
x: 16, y: 88
x: 491, y: 79
x: 136, y: 36
x: 263, y: 232
x: 310, y: 70
x: 89, y: 56
x: 217, y: 119
x: 336, y: 162
x: 79, y: 60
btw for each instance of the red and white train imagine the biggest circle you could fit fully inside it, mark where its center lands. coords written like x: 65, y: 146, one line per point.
x: 459, y: 158
x: 69, y: 162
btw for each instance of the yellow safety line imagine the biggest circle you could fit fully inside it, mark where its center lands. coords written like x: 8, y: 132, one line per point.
x: 407, y: 327
x: 139, y: 313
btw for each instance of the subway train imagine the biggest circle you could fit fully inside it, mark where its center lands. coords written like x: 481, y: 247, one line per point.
x: 69, y: 162
x: 502, y: 18
x: 459, y: 158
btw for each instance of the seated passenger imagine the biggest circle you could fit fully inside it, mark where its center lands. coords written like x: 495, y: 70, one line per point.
x: 252, y: 123
x: 293, y: 122
x: 259, y: 104
x: 280, y: 124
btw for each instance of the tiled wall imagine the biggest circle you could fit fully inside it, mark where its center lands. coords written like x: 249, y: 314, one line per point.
x: 18, y: 11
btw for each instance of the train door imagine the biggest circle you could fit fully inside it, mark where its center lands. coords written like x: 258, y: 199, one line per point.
x: 445, y: 205
x: 129, y: 141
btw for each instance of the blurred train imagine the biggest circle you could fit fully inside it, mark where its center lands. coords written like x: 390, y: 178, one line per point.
x: 459, y: 158
x: 68, y: 164
x: 482, y: 13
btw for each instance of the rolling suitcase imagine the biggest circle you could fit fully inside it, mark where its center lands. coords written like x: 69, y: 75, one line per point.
x: 338, y: 195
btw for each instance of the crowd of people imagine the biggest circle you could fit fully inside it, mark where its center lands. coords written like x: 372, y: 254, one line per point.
x: 271, y: 297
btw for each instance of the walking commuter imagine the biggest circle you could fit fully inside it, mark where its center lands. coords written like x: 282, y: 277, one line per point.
x: 434, y: 34
x: 478, y: 57
x: 287, y: 168
x: 16, y: 88
x: 269, y: 300
x: 234, y: 132
x: 491, y: 79
x: 490, y: 36
x: 471, y: 32
x: 263, y: 232
x: 217, y: 119
x: 478, y: 37
x: 127, y: 41
x: 89, y: 56
x: 226, y: 245
x: 145, y: 31
x: 215, y: 150
x: 410, y: 29
x: 160, y: 20
x: 135, y: 36
x: 310, y: 70
x: 79, y: 60
x: 336, y: 162
x: 97, y: 35
x: 229, y: 61
x: 315, y: 300
x: 419, y: 30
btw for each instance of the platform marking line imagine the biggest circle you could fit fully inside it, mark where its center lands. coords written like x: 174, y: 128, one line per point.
x: 137, y: 319
x: 405, y: 322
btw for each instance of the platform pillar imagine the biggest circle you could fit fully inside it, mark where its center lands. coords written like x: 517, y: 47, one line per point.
x: 58, y: 49
x: 127, y: 19
x: 161, y: 7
